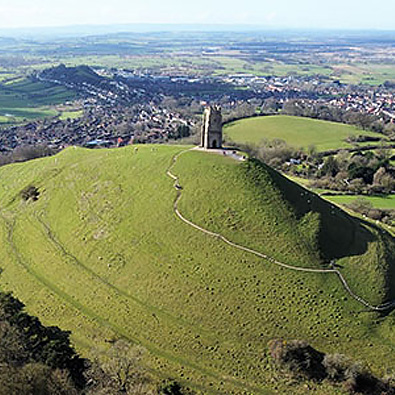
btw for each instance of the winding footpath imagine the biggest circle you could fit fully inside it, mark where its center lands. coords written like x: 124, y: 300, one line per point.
x: 332, y: 270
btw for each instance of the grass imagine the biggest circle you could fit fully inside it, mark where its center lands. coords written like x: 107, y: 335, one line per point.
x: 71, y: 114
x: 223, y: 64
x: 383, y: 202
x: 370, y: 74
x: 25, y: 99
x: 17, y: 115
x: 296, y: 131
x: 101, y: 253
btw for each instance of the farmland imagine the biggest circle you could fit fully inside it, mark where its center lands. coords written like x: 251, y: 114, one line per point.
x: 297, y: 132
x: 24, y: 99
x: 382, y: 202
x: 101, y: 253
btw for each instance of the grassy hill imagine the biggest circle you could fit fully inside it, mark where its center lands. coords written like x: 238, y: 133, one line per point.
x: 102, y: 253
x: 76, y: 75
x: 296, y: 131
x: 27, y: 99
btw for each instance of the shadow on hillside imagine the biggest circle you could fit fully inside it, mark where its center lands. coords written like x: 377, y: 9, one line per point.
x: 389, y: 254
x: 341, y: 235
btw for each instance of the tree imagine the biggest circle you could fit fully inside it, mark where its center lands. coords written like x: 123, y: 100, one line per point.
x: 383, y: 180
x: 121, y: 371
x: 330, y: 167
x: 361, y: 205
x: 312, y: 152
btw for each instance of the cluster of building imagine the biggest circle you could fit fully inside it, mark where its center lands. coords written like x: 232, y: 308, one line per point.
x: 123, y: 106
x: 376, y: 100
x: 100, y: 125
x: 373, y: 101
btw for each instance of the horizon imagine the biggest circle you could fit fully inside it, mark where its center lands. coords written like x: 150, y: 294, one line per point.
x: 286, y: 14
x: 142, y: 28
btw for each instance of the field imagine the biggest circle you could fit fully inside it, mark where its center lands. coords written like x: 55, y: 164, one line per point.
x: 71, y: 114
x: 102, y: 253
x: 372, y: 74
x: 297, y: 132
x: 23, y: 99
x: 385, y: 202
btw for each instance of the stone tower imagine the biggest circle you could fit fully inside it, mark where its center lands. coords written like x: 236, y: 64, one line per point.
x: 212, y: 128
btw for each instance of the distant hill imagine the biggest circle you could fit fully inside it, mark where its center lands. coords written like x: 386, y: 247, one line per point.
x: 72, y: 75
x: 100, y: 251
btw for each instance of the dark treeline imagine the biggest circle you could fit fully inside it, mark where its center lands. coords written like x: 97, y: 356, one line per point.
x: 311, y: 109
x: 36, y: 359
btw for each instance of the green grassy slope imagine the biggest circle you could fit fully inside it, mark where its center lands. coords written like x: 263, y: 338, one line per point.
x: 296, y: 131
x: 27, y: 99
x: 102, y: 253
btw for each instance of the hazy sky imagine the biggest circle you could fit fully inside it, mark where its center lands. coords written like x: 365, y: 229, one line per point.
x: 354, y: 14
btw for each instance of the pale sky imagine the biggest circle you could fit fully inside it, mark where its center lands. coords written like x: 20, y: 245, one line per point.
x: 332, y: 14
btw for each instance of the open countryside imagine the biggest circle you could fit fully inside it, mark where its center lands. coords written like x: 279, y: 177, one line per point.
x: 197, y: 209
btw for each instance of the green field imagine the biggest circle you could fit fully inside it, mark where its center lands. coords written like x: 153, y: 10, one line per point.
x: 71, y: 114
x: 296, y: 131
x: 385, y: 202
x: 370, y: 73
x: 17, y: 115
x: 102, y: 253
x: 24, y: 99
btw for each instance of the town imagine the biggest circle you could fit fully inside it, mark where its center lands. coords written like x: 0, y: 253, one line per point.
x: 123, y: 106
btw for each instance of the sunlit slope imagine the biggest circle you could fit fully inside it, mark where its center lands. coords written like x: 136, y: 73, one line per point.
x: 102, y: 253
x: 296, y: 131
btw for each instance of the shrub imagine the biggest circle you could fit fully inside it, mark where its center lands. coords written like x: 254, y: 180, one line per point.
x: 30, y: 192
x: 361, y: 381
x: 302, y: 360
x: 336, y: 366
x: 170, y: 387
x: 299, y: 358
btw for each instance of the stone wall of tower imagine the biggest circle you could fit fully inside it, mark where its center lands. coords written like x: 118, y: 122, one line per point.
x: 211, y: 136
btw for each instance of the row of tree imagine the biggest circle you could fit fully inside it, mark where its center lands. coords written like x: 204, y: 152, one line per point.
x: 311, y: 109
x: 362, y: 172
x: 367, y: 172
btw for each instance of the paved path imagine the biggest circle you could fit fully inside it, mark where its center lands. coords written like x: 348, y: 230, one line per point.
x: 332, y: 270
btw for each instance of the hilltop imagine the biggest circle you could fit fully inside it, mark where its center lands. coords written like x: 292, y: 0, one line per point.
x: 296, y: 131
x: 99, y: 251
x: 72, y: 75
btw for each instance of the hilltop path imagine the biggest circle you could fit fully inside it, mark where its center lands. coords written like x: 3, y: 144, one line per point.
x: 332, y: 270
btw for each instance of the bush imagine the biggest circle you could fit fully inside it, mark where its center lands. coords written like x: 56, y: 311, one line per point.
x: 299, y: 358
x: 30, y: 192
x: 170, y: 387
x: 361, y: 381
x: 275, y: 152
x: 360, y: 205
x: 302, y: 360
x: 336, y: 366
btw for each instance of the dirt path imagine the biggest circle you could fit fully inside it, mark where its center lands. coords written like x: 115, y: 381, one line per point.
x: 332, y: 270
